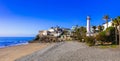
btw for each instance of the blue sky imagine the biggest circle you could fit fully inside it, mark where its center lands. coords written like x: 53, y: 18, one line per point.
x: 27, y: 17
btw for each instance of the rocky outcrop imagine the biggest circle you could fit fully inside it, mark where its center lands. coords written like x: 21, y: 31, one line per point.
x: 47, y: 39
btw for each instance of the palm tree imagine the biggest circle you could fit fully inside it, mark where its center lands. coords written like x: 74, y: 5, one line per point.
x: 106, y: 17
x: 115, y: 24
x: 118, y: 19
x: 94, y: 28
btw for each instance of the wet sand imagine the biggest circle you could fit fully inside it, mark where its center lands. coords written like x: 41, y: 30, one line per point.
x: 15, y: 52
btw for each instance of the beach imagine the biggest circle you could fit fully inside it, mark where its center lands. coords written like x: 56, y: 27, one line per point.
x: 15, y: 52
x: 73, y: 51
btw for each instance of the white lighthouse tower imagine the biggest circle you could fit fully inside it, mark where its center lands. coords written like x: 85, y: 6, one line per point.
x: 88, y: 27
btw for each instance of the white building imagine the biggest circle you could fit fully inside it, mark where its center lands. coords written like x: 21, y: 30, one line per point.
x: 52, y: 31
x: 105, y: 25
x: 43, y: 32
x: 57, y: 34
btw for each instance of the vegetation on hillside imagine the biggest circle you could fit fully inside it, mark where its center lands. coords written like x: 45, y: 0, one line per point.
x: 110, y: 36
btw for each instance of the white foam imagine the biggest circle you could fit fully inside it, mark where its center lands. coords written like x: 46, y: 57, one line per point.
x: 14, y: 45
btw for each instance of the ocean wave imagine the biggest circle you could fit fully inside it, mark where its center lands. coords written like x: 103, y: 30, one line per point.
x: 13, y: 45
x: 13, y: 41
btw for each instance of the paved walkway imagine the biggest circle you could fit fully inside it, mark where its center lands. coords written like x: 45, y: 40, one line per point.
x: 72, y: 51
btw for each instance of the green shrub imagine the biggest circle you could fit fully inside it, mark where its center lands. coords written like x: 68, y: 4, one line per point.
x: 101, y: 36
x: 79, y: 33
x: 106, y: 36
x: 111, y: 34
x: 90, y: 41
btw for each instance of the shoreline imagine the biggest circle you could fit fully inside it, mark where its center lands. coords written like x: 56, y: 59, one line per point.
x: 1, y: 47
x: 14, y: 41
x: 14, y: 52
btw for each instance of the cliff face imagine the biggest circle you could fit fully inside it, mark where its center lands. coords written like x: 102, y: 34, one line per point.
x: 36, y: 40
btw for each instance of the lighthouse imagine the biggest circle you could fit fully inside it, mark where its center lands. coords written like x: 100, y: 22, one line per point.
x: 88, y: 26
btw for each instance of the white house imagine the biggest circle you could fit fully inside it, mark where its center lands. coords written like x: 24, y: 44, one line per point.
x: 57, y: 34
x: 105, y: 25
x: 43, y: 32
x: 51, y: 30
x: 56, y: 31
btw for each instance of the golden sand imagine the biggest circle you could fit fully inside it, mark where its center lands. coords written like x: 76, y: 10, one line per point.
x: 12, y: 53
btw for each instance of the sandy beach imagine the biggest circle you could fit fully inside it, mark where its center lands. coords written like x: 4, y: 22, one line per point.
x: 12, y: 53
x: 73, y: 51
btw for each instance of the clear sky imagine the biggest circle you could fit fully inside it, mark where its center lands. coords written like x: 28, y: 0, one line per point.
x: 27, y: 17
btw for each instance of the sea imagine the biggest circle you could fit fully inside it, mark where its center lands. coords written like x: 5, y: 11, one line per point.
x: 14, y: 41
